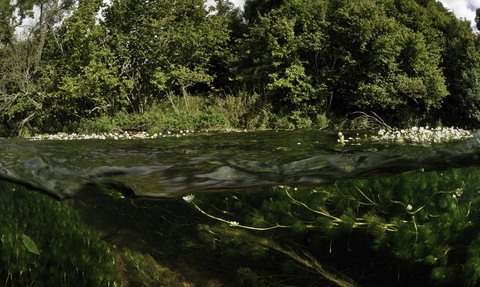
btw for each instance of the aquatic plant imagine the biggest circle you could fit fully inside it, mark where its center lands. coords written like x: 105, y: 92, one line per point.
x: 423, y: 135
x: 426, y: 219
x: 414, y: 135
x: 45, y: 243
x: 144, y: 270
x: 306, y: 260
x: 115, y: 135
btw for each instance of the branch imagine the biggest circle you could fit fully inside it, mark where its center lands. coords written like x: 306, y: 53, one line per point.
x: 374, y: 120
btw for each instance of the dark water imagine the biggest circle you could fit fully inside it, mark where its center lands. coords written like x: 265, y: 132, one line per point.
x: 215, y: 162
x: 363, y: 214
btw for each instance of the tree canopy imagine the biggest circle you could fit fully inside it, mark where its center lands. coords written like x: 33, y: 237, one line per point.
x: 409, y: 61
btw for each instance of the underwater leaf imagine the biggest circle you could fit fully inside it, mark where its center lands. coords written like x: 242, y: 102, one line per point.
x: 30, y: 244
x: 430, y: 259
x: 444, y: 275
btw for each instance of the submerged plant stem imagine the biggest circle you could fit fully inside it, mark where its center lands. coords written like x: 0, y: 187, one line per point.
x: 236, y: 224
x: 322, y: 212
x: 309, y: 262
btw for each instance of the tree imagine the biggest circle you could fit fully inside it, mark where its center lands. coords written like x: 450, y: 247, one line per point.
x: 275, y: 57
x: 166, y: 49
x: 461, y: 66
x: 451, y: 40
x: 348, y: 56
x: 6, y: 26
x: 253, y: 9
x: 85, y: 78
x: 223, y: 65
x: 477, y: 18
x: 385, y: 66
x: 20, y: 100
x: 22, y: 97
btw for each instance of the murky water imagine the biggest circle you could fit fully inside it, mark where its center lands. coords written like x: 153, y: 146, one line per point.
x: 356, y: 215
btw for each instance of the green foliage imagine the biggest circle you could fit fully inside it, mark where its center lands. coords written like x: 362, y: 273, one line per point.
x: 472, y: 265
x: 389, y: 65
x: 302, y: 62
x: 444, y: 275
x: 24, y: 99
x: 30, y: 244
x: 272, y: 57
x: 427, y: 218
x: 59, y: 249
x: 168, y: 49
x: 196, y: 113
x: 44, y: 242
x: 91, y: 84
x: 188, y: 112
x: 6, y: 30
x: 145, y: 271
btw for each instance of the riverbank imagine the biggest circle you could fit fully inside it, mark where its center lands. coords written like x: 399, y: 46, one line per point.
x: 182, y: 115
x: 424, y: 136
x: 215, y: 112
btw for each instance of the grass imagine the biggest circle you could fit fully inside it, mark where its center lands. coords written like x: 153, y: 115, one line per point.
x: 213, y: 112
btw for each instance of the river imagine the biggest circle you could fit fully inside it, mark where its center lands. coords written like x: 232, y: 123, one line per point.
x: 218, y: 203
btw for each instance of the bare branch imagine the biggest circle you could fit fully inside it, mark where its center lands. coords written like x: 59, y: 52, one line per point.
x: 373, y: 120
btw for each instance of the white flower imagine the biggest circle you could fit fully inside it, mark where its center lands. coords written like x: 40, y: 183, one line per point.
x: 458, y: 192
x: 234, y: 223
x: 409, y: 207
x: 189, y: 198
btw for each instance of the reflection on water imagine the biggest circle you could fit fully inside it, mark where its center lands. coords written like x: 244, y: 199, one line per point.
x: 173, y: 167
x: 324, y: 215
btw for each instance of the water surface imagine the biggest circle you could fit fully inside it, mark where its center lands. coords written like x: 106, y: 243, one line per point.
x: 215, y: 162
x: 396, y: 213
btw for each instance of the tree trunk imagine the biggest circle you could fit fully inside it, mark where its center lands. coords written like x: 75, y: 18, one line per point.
x: 46, y: 21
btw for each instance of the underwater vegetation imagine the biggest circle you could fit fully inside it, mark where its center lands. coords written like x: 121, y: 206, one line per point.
x: 60, y: 249
x: 413, y: 229
x: 44, y: 242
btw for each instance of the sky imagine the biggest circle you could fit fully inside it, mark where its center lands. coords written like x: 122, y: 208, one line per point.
x: 461, y: 8
x: 238, y: 3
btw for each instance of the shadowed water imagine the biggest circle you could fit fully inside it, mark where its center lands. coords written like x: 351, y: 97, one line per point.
x: 215, y: 162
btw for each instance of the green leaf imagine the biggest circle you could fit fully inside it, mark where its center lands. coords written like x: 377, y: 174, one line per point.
x: 30, y: 244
